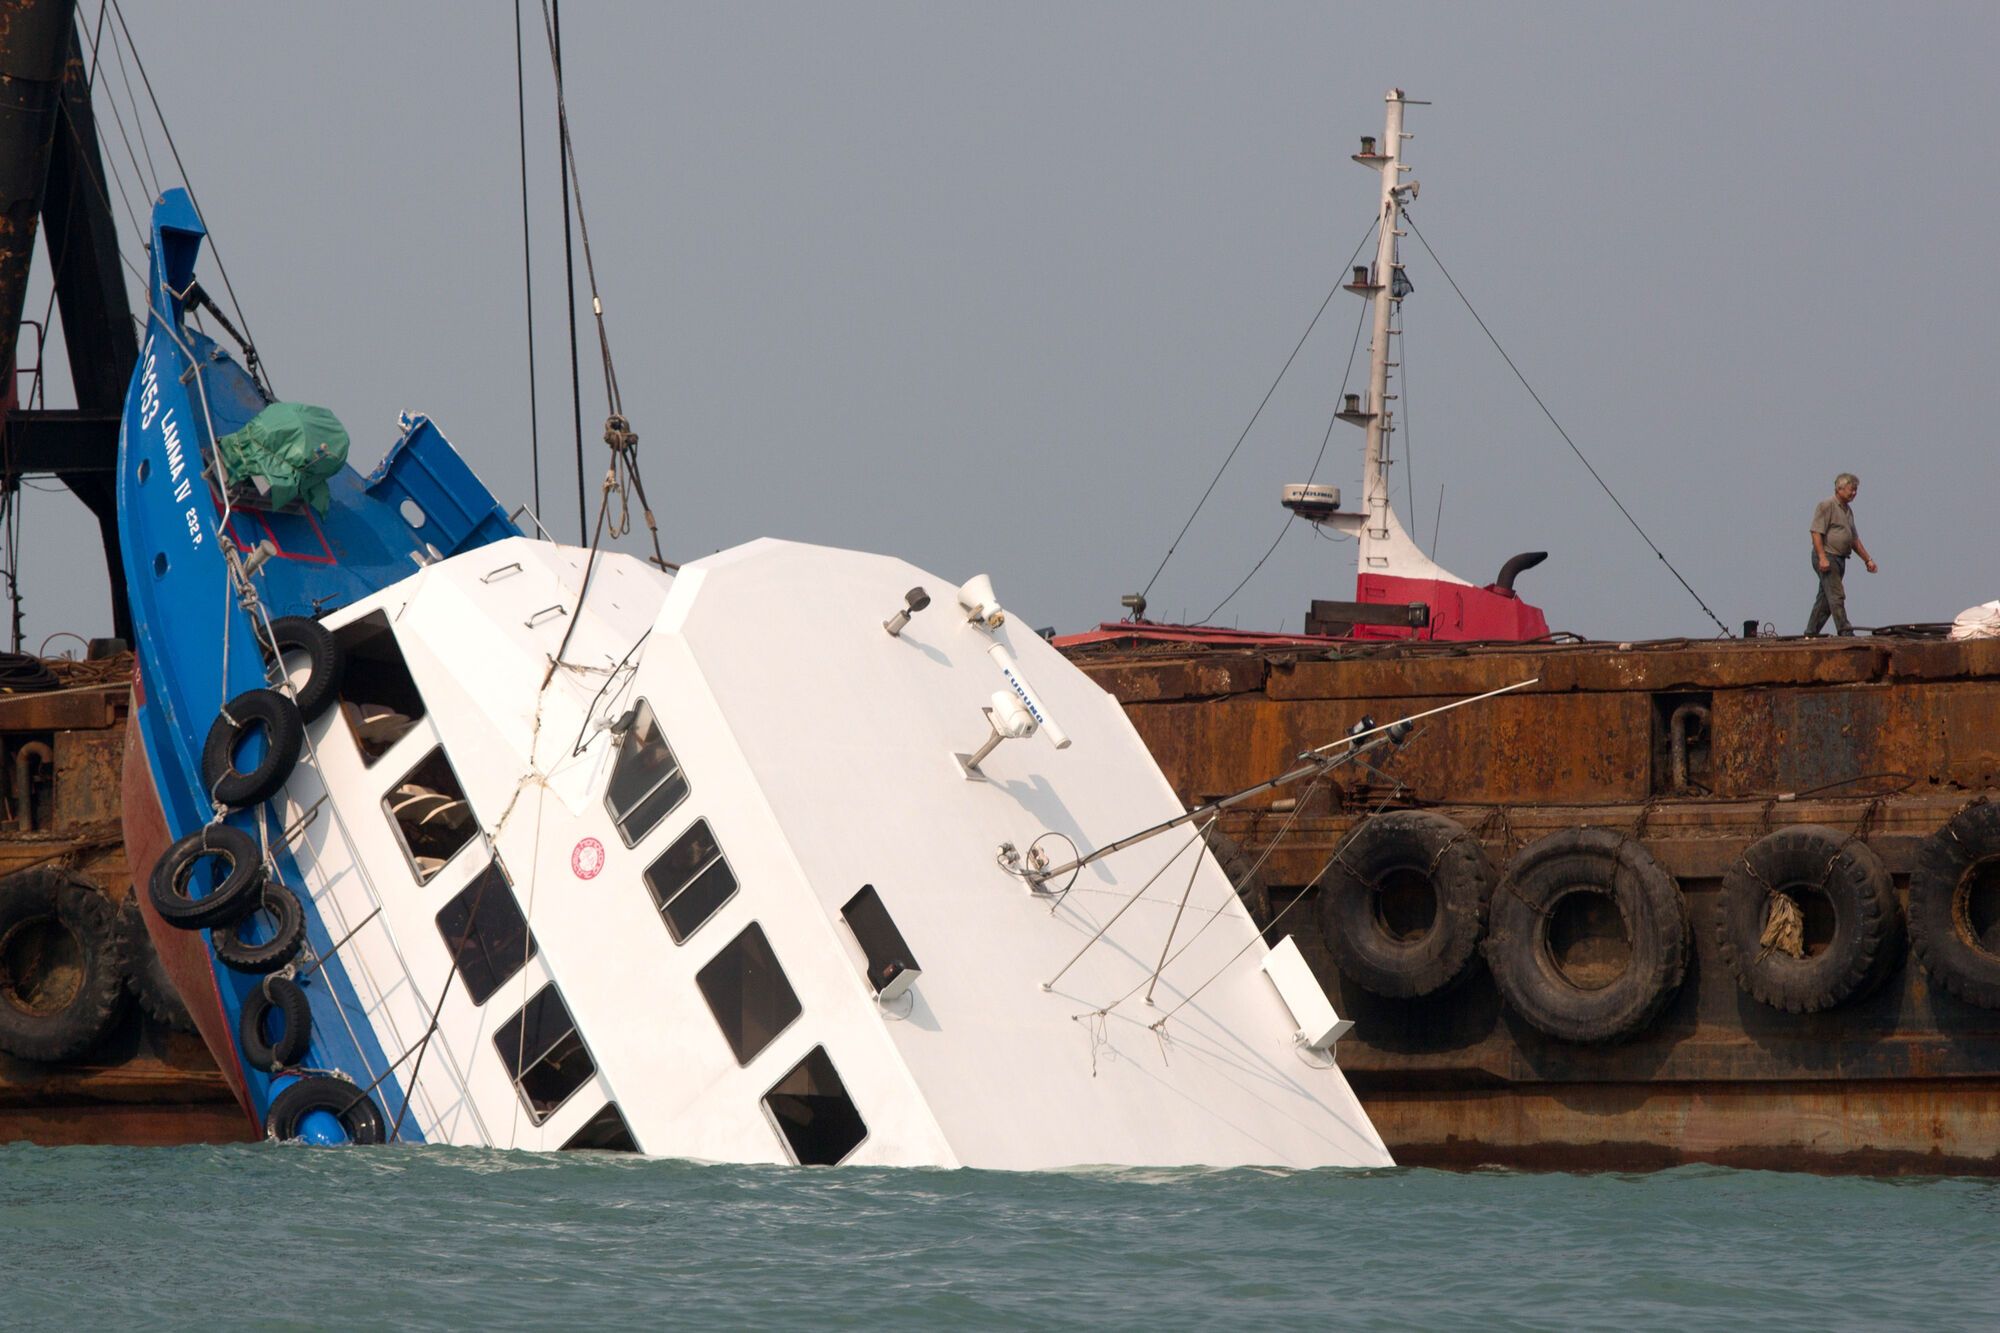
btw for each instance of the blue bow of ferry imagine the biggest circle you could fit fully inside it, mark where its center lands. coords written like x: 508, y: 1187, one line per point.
x: 181, y: 521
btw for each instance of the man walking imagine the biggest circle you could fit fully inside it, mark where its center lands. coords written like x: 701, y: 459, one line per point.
x: 1833, y: 536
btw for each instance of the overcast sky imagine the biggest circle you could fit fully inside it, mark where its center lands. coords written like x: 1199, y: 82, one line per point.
x: 995, y: 288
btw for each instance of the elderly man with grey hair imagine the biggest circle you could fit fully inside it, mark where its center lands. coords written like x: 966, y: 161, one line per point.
x: 1833, y: 537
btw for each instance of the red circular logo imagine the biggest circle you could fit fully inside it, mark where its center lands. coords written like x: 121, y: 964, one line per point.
x: 587, y: 859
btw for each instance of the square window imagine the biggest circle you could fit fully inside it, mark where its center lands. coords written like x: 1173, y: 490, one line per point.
x: 377, y: 696
x: 813, y: 1112
x: 431, y: 815
x: 646, y: 779
x: 486, y: 934
x: 690, y: 880
x: 544, y: 1054
x: 747, y: 992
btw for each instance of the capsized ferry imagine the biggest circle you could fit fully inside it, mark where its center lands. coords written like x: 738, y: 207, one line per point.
x: 455, y: 835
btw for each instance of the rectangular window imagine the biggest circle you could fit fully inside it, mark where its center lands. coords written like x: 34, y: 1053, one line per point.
x: 747, y: 992
x: 646, y: 779
x: 892, y: 964
x: 690, y: 880
x: 430, y: 814
x: 377, y: 696
x: 604, y: 1132
x: 486, y: 934
x: 813, y: 1112
x: 544, y: 1054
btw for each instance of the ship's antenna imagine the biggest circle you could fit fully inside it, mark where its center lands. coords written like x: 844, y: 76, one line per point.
x: 1384, y: 287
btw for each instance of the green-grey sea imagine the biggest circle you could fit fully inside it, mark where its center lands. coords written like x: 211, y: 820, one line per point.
x: 294, y: 1237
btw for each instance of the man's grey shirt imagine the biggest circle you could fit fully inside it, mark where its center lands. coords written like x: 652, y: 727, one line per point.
x: 1834, y: 522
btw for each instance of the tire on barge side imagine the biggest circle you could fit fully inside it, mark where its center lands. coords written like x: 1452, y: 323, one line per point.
x: 145, y: 976
x: 1800, y: 864
x: 62, y: 974
x: 1405, y: 903
x: 1551, y: 953
x: 1955, y: 905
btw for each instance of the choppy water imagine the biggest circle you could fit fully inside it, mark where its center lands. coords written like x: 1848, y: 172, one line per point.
x: 449, y: 1238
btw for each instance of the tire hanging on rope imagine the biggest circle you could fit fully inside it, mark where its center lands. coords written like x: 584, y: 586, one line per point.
x: 1770, y: 897
x: 312, y: 647
x: 1587, y: 877
x: 61, y: 970
x: 287, y: 934
x: 232, y: 898
x: 284, y: 732
x: 283, y: 999
x: 360, y: 1118
x: 1403, y: 908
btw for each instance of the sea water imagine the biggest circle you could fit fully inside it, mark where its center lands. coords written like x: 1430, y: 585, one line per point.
x: 295, y: 1237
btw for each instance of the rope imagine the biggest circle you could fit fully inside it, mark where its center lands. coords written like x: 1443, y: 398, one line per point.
x: 1311, y: 476
x: 527, y: 263
x: 622, y: 477
x: 1258, y: 937
x: 1254, y: 415
x: 1602, y: 485
x: 214, y: 250
x: 552, y: 25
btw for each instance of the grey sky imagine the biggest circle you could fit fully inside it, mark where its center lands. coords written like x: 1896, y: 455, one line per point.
x: 995, y: 288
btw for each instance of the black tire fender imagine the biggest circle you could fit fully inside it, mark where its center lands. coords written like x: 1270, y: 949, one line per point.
x: 1956, y: 865
x: 1868, y: 927
x: 326, y: 661
x: 145, y: 977
x: 288, y: 934
x: 230, y: 900
x: 355, y: 1109
x: 1405, y: 850
x: 284, y: 735
x: 54, y: 1008
x: 285, y: 999
x: 1518, y: 947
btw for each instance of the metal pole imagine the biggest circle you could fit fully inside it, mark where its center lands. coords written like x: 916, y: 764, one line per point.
x: 1375, y: 514
x: 1316, y: 761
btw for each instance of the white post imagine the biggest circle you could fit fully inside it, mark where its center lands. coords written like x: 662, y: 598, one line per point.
x: 1376, y: 516
x: 1384, y: 546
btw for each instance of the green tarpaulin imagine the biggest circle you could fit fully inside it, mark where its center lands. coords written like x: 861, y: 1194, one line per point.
x: 294, y: 447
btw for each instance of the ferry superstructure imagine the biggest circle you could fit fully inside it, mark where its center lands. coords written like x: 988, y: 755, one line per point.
x: 472, y: 837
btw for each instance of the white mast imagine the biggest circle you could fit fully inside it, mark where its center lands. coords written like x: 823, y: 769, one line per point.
x: 1385, y: 548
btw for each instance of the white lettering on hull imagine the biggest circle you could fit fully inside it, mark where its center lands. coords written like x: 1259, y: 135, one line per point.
x: 170, y: 442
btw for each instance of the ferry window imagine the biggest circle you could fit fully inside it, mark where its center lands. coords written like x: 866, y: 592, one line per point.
x: 690, y: 881
x: 646, y: 779
x: 486, y: 934
x: 747, y: 992
x: 812, y: 1110
x: 430, y: 814
x: 377, y: 696
x: 604, y: 1132
x: 544, y: 1054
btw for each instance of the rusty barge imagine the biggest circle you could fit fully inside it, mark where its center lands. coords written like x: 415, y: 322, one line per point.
x: 95, y: 1046
x: 1887, y: 742
x: 1731, y: 901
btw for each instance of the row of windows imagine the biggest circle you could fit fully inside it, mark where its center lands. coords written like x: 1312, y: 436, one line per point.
x: 546, y: 1057
x: 489, y: 940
